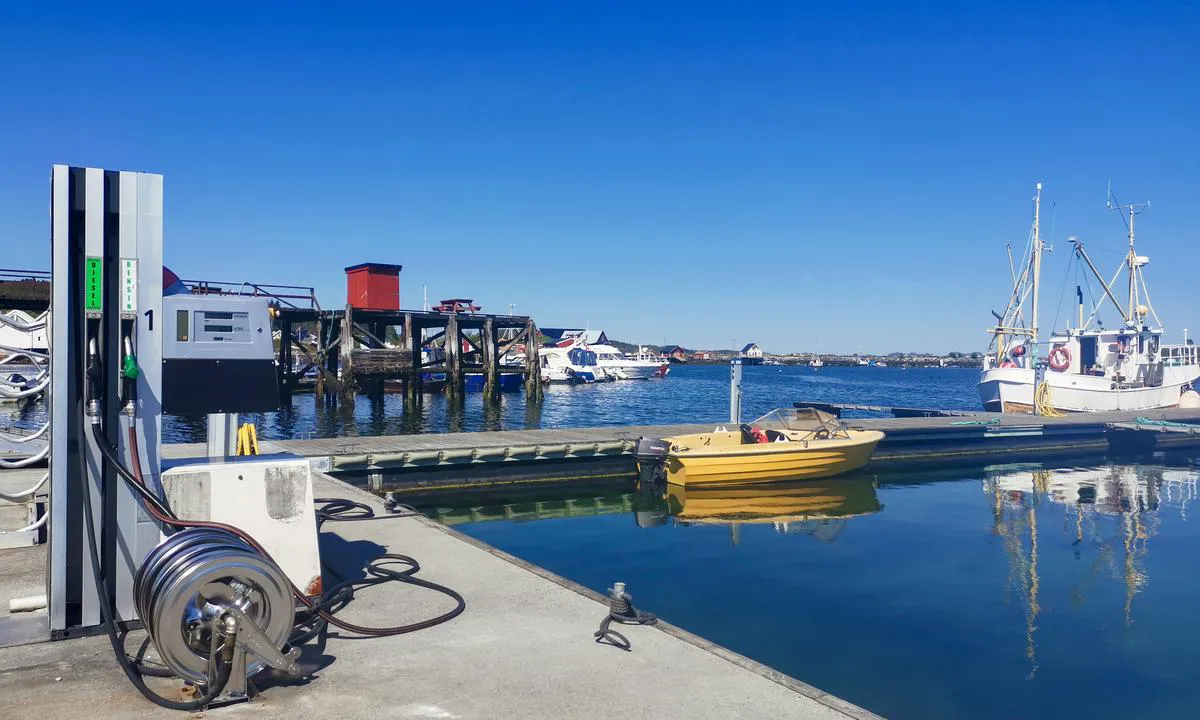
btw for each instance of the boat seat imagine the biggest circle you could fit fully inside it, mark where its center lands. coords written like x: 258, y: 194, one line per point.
x: 747, y: 435
x: 776, y: 436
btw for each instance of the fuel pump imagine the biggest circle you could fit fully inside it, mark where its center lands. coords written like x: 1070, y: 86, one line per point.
x: 212, y: 556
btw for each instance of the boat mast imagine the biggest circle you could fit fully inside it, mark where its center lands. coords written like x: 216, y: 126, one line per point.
x: 1131, y: 261
x: 1037, y: 266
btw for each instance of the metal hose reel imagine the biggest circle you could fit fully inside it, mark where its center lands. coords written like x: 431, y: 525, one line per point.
x: 206, y: 598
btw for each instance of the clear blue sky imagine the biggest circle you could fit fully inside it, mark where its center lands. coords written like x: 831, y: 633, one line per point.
x: 834, y: 177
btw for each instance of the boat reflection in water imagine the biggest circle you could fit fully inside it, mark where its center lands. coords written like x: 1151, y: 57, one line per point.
x: 1115, y: 509
x: 815, y: 507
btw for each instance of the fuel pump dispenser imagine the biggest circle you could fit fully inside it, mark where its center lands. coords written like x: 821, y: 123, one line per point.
x: 212, y: 556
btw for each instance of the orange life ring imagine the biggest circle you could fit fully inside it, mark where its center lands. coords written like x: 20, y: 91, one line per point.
x: 1060, y: 358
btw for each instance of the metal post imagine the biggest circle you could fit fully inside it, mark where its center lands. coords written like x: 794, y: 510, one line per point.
x: 735, y: 391
x: 1039, y: 377
x: 222, y: 434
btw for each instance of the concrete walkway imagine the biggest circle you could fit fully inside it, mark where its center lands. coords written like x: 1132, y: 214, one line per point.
x: 522, y: 649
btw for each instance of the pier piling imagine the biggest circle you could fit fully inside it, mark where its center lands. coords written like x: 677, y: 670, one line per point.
x: 346, y: 382
x: 355, y: 352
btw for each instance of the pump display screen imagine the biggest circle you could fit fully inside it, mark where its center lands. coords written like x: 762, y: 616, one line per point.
x: 222, y: 326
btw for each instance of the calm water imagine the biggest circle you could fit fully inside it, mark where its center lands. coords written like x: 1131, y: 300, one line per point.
x: 1012, y: 591
x: 690, y: 394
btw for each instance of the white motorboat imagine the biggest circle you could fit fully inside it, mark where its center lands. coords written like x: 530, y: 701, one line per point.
x: 572, y: 362
x: 642, y: 365
x: 1087, y: 367
x: 816, y: 363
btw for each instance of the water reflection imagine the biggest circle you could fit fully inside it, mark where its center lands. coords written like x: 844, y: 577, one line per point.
x: 1115, y: 510
x: 819, y: 508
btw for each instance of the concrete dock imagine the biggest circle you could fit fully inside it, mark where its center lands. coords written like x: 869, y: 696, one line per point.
x: 522, y: 649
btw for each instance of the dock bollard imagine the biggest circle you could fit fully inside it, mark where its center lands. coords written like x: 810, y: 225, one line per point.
x: 621, y: 611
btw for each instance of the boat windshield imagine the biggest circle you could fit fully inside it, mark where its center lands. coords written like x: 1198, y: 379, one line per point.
x: 803, y: 423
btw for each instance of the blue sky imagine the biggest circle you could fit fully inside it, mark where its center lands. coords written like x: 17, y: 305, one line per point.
x: 833, y: 177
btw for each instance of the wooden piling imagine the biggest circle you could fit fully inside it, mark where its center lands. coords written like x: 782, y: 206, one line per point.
x: 455, y: 383
x: 491, y: 363
x: 346, y: 358
x: 353, y: 356
x: 412, y: 336
x: 319, y: 388
x: 533, y: 368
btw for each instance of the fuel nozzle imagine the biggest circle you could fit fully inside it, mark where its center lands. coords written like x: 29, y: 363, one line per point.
x: 93, y: 382
x: 129, y: 374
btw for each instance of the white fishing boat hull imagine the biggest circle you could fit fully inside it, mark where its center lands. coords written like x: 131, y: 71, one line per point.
x: 1012, y: 390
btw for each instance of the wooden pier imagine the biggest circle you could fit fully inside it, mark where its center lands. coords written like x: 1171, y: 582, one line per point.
x: 351, y: 351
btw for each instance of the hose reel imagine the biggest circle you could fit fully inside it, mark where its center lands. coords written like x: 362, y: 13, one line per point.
x: 217, y: 610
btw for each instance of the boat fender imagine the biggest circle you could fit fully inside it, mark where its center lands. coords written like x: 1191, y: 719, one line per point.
x: 1060, y: 358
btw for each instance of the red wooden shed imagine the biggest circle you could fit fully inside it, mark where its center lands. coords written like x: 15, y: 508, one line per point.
x: 373, y: 286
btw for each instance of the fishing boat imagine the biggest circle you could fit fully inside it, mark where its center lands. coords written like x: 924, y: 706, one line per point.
x: 1087, y: 367
x: 792, y: 443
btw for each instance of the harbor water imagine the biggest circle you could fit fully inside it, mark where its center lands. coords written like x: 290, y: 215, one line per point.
x: 1007, y: 591
x: 689, y: 394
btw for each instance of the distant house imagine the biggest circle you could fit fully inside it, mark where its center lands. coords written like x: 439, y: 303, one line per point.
x: 701, y: 355
x: 752, y: 355
x: 564, y: 335
x: 676, y: 353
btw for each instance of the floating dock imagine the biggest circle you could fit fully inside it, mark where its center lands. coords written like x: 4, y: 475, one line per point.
x: 449, y: 461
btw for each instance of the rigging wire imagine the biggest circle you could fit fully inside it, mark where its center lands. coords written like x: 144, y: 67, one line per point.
x: 1061, y: 294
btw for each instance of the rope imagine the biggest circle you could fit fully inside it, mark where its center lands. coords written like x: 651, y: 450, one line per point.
x: 1041, y: 401
x: 32, y: 526
x: 9, y: 437
x: 1164, y: 423
x: 993, y: 421
x: 41, y: 455
x: 19, y: 497
x: 622, y: 612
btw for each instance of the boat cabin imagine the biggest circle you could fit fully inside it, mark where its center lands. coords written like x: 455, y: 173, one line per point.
x: 1130, y: 357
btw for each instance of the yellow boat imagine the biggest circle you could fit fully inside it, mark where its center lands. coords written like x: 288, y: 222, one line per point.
x: 780, y: 502
x: 794, y: 444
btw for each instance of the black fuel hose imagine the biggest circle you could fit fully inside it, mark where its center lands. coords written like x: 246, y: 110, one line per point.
x: 108, y: 612
x: 334, y: 509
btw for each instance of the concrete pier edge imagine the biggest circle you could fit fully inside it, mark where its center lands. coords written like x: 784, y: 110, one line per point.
x: 765, y: 671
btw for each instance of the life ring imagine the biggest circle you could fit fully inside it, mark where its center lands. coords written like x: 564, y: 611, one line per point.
x: 1060, y: 358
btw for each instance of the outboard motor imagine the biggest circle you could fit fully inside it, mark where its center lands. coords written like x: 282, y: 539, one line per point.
x: 651, y: 456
